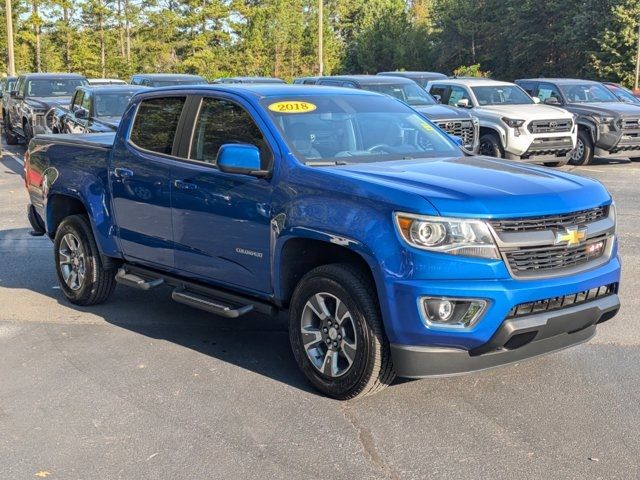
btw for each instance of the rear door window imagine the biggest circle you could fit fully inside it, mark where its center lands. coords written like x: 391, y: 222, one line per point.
x: 546, y: 91
x: 155, y: 124
x: 440, y: 90
x: 457, y: 94
x: 529, y: 87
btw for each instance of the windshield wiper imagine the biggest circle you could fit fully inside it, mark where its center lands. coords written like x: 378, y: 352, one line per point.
x: 324, y: 163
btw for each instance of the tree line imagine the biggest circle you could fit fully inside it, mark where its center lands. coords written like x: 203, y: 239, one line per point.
x: 504, y: 38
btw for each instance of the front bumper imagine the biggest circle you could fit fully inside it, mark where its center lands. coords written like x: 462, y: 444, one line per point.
x: 541, y: 149
x: 516, y: 339
x: 617, y: 144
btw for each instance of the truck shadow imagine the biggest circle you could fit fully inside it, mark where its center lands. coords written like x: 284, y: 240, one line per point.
x: 253, y: 342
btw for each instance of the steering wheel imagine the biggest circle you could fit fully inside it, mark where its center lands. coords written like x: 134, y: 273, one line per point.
x: 379, y: 146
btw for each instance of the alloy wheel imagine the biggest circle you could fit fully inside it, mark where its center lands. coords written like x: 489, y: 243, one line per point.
x: 328, y: 334
x: 72, y: 261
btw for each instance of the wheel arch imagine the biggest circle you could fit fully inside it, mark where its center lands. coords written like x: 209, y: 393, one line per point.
x: 299, y: 255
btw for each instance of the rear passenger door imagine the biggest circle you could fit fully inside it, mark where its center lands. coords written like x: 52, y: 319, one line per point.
x: 140, y: 174
x: 222, y: 221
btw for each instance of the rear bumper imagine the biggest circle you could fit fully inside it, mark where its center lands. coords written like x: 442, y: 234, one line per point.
x: 516, y: 339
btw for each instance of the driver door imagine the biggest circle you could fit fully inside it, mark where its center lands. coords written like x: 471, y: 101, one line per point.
x: 222, y: 221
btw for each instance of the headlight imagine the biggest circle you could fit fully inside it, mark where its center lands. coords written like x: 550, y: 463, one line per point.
x: 603, y: 119
x: 512, y: 122
x: 455, y: 236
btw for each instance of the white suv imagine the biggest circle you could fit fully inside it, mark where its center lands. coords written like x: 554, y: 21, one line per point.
x: 512, y: 124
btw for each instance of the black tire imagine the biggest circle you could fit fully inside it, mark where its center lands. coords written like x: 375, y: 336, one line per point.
x: 12, y: 138
x: 490, y: 146
x: 584, y: 149
x: 554, y: 164
x: 634, y: 159
x: 28, y: 133
x: 371, y: 369
x: 98, y: 282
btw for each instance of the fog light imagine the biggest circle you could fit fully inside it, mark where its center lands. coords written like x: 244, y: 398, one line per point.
x: 451, y: 312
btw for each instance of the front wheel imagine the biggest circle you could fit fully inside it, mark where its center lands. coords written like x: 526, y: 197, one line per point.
x: 583, y: 154
x: 12, y: 138
x: 82, y: 277
x: 336, y: 333
x: 490, y: 146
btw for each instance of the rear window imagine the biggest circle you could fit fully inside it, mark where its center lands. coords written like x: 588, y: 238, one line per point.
x: 154, y: 127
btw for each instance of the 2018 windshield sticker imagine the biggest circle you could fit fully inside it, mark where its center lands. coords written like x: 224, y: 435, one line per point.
x: 426, y: 126
x: 292, y: 107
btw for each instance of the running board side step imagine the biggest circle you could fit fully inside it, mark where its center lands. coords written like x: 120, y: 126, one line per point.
x: 131, y: 280
x: 209, y: 304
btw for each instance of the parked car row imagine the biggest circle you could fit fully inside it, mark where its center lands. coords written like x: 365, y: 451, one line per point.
x: 550, y: 121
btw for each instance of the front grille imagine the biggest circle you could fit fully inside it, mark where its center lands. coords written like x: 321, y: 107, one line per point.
x: 574, y: 219
x: 564, y: 301
x: 460, y: 128
x: 550, y: 126
x: 529, y: 261
x: 630, y: 124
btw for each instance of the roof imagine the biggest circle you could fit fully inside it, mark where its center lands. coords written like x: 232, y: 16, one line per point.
x: 255, y: 79
x: 369, y: 79
x: 409, y: 74
x: 262, y: 90
x: 473, y: 82
x: 166, y: 76
x: 113, y: 88
x: 556, y: 80
x: 52, y: 75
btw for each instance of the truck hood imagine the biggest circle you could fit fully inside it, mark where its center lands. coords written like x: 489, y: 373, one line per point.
x: 483, y: 187
x: 525, y: 112
x: 47, y: 102
x: 443, y: 112
x: 613, y: 109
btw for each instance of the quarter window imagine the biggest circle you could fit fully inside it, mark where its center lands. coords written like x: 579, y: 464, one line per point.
x: 220, y: 122
x: 156, y: 123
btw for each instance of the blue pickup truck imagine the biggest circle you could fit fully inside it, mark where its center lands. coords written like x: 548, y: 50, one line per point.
x: 394, y: 251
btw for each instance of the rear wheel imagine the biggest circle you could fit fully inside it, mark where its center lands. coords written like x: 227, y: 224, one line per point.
x: 490, y: 146
x: 81, y: 274
x: 583, y: 154
x: 336, y: 333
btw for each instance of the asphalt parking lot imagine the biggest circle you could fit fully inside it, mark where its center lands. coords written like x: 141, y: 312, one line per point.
x: 144, y: 388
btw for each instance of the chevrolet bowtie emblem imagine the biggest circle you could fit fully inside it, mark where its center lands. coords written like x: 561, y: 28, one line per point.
x: 571, y: 236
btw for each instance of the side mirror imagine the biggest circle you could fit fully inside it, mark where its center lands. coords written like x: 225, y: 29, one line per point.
x: 438, y: 98
x: 81, y: 113
x: 458, y: 141
x: 13, y: 93
x: 1, y: 95
x: 552, y: 101
x: 535, y: 99
x: 463, y: 103
x: 240, y: 158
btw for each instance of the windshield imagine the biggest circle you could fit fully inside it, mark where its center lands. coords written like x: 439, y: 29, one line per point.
x: 112, y: 104
x: 410, y: 93
x: 169, y: 83
x: 61, y: 87
x: 587, y: 92
x: 623, y: 94
x: 501, y: 95
x: 355, y: 129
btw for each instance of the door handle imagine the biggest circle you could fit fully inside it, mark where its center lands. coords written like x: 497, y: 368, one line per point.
x: 122, y: 172
x: 182, y: 185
